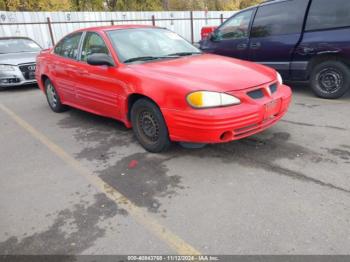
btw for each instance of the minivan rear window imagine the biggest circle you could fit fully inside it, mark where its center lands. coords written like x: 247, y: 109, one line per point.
x: 326, y: 14
x: 279, y: 18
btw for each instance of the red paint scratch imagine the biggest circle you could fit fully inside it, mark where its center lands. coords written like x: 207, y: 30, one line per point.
x: 133, y: 163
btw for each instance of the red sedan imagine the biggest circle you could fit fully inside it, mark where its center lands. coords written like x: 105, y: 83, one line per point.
x: 154, y: 81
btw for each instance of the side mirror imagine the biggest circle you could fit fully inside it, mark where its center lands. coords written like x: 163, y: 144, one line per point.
x: 213, y: 36
x: 100, y: 59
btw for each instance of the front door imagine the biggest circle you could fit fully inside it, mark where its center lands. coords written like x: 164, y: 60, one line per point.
x: 232, y: 37
x: 98, y: 88
x: 64, y: 66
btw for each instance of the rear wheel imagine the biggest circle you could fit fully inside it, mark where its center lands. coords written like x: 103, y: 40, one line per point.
x: 149, y: 126
x: 330, y: 79
x: 53, y: 99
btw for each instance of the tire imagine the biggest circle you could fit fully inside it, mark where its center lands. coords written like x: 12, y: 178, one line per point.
x: 330, y: 79
x: 53, y: 99
x: 149, y: 126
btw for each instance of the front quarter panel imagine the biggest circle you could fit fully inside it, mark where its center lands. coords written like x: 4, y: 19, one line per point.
x: 40, y: 69
x: 164, y: 91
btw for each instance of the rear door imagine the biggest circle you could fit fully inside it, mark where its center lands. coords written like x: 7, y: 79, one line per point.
x: 232, y: 37
x: 327, y: 31
x: 275, y: 33
x: 64, y: 66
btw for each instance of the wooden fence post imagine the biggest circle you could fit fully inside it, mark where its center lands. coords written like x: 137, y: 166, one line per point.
x: 153, y: 20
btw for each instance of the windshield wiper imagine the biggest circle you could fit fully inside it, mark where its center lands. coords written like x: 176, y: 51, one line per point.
x: 185, y: 53
x: 147, y: 58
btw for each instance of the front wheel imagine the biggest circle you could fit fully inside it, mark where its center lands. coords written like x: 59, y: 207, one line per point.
x: 149, y: 126
x: 53, y: 99
x: 330, y: 79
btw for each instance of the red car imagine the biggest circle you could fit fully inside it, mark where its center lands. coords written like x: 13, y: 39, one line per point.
x: 206, y: 31
x: 154, y: 81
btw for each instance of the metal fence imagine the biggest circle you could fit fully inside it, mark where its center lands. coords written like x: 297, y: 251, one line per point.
x: 48, y: 27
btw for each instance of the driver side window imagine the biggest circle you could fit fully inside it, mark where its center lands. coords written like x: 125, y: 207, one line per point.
x: 93, y: 44
x: 235, y: 28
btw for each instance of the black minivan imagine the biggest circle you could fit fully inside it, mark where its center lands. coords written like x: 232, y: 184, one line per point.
x: 305, y: 40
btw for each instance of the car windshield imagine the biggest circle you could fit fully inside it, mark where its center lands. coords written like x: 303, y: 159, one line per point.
x: 18, y: 45
x: 142, y: 44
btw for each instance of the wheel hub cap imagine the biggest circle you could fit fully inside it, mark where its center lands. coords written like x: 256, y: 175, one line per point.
x: 149, y: 126
x: 330, y: 80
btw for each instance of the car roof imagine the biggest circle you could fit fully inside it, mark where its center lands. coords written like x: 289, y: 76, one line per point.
x: 266, y: 2
x: 114, y: 27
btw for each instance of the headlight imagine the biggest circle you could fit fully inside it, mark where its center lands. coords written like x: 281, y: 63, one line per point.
x: 7, y: 68
x: 205, y: 99
x: 279, y: 79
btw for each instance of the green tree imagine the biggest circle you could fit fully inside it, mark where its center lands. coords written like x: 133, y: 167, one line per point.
x: 123, y: 5
x: 87, y: 5
x: 208, y: 4
x: 134, y: 5
x: 37, y: 5
x: 247, y: 3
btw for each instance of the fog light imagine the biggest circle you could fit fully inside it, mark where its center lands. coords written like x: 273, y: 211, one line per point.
x: 226, y: 136
x: 10, y: 80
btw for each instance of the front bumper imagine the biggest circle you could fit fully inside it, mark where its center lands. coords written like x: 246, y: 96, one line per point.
x: 17, y: 77
x: 218, y: 125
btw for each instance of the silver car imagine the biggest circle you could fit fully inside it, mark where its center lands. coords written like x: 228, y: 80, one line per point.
x: 17, y: 61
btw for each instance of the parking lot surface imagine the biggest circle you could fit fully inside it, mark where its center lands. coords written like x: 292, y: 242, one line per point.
x: 76, y: 183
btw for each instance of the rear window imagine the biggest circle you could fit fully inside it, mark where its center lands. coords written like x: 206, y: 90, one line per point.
x: 279, y: 18
x: 326, y: 14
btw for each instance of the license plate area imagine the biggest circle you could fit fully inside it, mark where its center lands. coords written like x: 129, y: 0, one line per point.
x: 272, y: 108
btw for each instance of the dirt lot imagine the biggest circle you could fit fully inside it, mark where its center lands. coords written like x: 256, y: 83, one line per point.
x: 75, y: 183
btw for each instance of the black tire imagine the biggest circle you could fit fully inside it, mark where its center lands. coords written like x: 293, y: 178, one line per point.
x: 330, y: 79
x: 53, y: 98
x: 149, y: 126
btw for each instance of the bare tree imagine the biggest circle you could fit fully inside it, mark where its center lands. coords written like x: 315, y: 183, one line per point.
x: 165, y: 4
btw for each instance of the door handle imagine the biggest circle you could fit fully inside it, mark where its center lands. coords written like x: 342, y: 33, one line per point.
x: 256, y: 45
x: 308, y: 50
x: 242, y: 46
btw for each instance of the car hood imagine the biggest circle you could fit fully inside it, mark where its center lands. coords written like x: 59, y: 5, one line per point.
x: 209, y: 72
x: 18, y: 58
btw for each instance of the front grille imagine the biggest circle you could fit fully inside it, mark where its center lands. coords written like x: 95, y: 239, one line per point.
x: 242, y: 130
x: 273, y: 88
x: 256, y: 94
x: 28, y: 71
x: 260, y: 93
